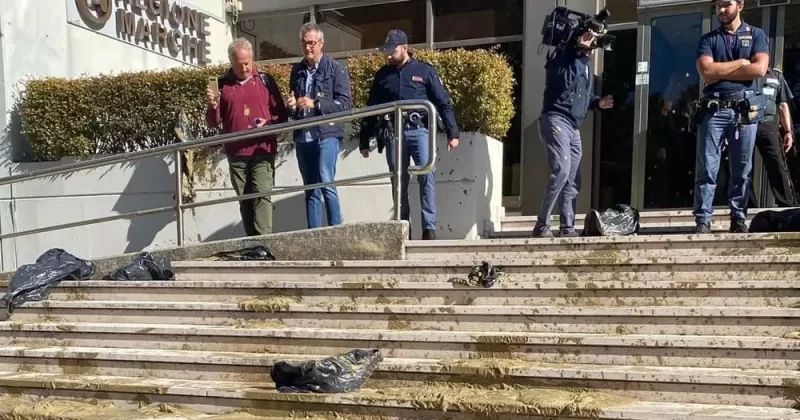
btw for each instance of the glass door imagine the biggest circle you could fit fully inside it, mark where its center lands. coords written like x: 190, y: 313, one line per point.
x: 667, y: 81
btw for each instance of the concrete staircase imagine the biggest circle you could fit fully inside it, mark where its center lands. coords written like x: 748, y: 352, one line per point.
x: 639, y: 328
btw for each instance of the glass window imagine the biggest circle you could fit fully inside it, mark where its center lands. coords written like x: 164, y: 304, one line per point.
x: 273, y: 37
x: 455, y: 20
x: 365, y: 27
x: 791, y: 68
x: 622, y: 11
x: 673, y: 84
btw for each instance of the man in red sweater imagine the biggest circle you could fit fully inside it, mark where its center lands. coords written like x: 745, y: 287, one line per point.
x: 248, y: 99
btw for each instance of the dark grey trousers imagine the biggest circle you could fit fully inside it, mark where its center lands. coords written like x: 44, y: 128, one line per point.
x: 564, y: 150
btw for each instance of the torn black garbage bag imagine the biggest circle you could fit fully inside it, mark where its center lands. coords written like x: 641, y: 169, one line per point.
x: 484, y: 274
x: 776, y: 221
x: 620, y: 220
x: 345, y: 372
x: 32, y: 282
x: 145, y: 267
x: 256, y: 253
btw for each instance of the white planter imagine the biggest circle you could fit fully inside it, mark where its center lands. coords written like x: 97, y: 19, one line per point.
x: 469, y: 200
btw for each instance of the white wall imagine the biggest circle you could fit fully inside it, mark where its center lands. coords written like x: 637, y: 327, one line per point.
x: 469, y: 199
x: 36, y: 40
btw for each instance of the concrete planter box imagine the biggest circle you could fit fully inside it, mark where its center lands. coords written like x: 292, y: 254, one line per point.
x: 469, y: 199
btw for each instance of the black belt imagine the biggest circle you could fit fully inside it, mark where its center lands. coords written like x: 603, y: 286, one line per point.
x: 717, y: 104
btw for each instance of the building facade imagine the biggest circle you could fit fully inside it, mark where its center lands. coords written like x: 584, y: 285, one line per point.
x: 641, y: 153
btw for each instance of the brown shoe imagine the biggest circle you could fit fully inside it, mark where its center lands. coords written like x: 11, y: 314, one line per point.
x: 429, y: 235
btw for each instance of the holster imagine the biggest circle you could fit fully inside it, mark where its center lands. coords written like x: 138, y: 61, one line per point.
x: 384, y: 133
x: 752, y: 108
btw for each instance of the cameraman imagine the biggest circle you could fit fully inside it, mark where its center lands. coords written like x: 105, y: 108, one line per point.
x: 568, y: 96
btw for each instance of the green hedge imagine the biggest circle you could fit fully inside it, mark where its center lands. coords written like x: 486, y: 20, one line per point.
x: 133, y: 111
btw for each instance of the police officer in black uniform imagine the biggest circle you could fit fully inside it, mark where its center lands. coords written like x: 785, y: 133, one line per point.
x: 404, y: 78
x: 774, y: 136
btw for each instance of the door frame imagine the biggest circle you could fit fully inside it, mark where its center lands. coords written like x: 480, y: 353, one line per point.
x: 641, y: 116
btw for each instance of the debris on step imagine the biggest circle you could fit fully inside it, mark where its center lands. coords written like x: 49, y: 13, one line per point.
x: 274, y: 303
x: 793, y: 335
x: 28, y: 408
x: 545, y: 402
x: 260, y: 324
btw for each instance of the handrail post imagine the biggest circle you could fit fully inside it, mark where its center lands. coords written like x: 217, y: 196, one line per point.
x: 179, y: 195
x: 398, y: 161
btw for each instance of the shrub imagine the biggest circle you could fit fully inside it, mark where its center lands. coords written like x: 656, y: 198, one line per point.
x: 134, y: 111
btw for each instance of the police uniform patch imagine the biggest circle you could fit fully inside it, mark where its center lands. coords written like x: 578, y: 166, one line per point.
x: 417, y: 79
x: 745, y: 43
x: 769, y: 91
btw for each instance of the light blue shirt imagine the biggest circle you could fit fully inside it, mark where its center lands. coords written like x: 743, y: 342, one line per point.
x: 309, y: 85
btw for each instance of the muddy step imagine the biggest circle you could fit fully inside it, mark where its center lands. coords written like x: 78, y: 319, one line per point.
x: 741, y: 321
x: 433, y: 401
x: 379, y: 273
x: 664, y: 384
x: 623, y: 349
x: 608, y: 247
x: 652, y: 220
x: 602, y: 293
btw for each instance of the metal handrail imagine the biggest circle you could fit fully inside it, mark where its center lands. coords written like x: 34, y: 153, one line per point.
x: 393, y: 107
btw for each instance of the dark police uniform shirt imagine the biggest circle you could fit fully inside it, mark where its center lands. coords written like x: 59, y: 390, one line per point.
x: 776, y: 90
x: 416, y: 80
x: 725, y: 47
x: 568, y: 86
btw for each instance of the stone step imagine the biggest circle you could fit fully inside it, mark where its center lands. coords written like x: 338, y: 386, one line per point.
x: 382, y: 274
x: 782, y: 293
x: 659, y: 246
x: 663, y: 384
x: 704, y: 320
x: 432, y: 401
x: 734, y: 352
x: 653, y: 221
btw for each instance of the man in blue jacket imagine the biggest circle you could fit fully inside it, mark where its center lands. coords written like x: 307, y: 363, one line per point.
x: 320, y: 85
x: 568, y: 96
x: 404, y: 78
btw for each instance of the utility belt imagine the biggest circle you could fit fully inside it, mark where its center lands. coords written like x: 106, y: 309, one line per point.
x: 748, y: 106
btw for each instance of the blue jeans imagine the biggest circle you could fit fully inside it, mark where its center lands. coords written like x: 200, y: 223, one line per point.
x: 713, y: 130
x: 317, y: 161
x: 564, y: 150
x: 415, y: 146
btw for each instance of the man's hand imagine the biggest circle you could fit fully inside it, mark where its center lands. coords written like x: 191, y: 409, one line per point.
x: 606, y: 102
x: 365, y: 153
x: 290, y: 102
x: 788, y: 141
x: 305, y: 103
x: 212, y: 98
x: 452, y: 144
x: 260, y: 122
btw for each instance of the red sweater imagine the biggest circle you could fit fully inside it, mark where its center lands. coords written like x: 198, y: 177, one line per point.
x: 239, y: 105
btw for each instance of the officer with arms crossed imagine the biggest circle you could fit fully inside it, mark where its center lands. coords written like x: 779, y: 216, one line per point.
x: 774, y: 140
x: 403, y: 78
x: 729, y: 60
x: 568, y: 96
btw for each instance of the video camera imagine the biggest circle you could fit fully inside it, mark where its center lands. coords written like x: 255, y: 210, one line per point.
x: 561, y: 30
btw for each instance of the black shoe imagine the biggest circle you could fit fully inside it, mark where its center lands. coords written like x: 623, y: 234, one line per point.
x: 542, y: 231
x: 429, y: 235
x: 738, y: 226
x: 702, y: 228
x: 568, y: 234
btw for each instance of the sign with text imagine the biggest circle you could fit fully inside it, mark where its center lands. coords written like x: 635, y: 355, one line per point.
x: 166, y: 27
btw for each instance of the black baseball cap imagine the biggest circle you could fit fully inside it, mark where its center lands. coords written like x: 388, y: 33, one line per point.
x: 727, y: 1
x: 394, y: 38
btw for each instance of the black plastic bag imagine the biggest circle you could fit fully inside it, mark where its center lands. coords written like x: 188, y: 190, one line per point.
x: 341, y: 373
x: 620, y: 220
x: 776, y: 221
x: 256, y: 253
x: 32, y: 282
x: 145, y: 267
x: 484, y: 274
